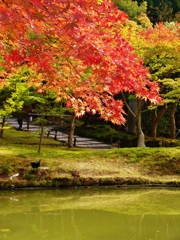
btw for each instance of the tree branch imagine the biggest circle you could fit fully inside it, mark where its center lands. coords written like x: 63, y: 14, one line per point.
x: 126, y: 104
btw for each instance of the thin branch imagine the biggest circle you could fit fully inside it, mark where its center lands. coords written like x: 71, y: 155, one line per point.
x: 127, y: 105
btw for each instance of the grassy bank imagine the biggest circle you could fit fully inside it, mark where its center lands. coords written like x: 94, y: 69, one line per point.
x: 63, y: 167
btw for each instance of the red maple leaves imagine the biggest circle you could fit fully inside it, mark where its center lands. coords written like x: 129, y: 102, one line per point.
x: 60, y: 40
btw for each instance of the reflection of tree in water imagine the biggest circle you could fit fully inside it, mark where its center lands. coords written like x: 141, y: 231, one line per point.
x: 39, y: 231
x: 89, y: 225
x: 91, y: 215
x: 33, y: 225
x: 51, y: 225
x: 4, y: 233
x: 77, y: 233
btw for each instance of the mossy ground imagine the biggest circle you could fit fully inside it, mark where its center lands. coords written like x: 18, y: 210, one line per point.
x: 64, y: 167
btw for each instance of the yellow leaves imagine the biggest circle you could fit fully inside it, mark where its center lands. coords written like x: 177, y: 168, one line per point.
x: 132, y: 33
x: 99, y: 1
x: 8, y: 42
x: 5, y: 230
x: 145, y: 21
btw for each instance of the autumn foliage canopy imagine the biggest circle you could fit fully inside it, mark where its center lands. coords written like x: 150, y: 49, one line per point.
x: 76, y: 49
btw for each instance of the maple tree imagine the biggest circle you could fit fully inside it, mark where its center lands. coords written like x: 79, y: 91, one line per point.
x: 161, y: 56
x: 159, y: 47
x: 76, y: 49
x: 131, y: 32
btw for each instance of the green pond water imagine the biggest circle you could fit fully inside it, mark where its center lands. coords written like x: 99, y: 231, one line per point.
x: 90, y: 214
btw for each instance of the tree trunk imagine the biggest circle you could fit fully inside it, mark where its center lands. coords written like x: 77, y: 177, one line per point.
x: 141, y: 137
x: 41, y: 136
x: 71, y: 132
x: 131, y: 125
x: 137, y: 103
x: 2, y: 127
x: 87, y: 116
x: 139, y: 132
x: 172, y: 119
x: 157, y: 118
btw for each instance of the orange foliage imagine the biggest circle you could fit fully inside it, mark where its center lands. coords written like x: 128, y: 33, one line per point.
x: 76, y: 46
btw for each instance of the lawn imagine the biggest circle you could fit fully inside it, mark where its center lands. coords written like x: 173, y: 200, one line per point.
x: 69, y: 167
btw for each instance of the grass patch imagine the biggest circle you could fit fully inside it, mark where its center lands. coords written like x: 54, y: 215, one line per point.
x: 62, y: 166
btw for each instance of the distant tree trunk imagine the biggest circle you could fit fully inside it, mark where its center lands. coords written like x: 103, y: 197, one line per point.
x: 172, y: 119
x: 2, y: 127
x: 131, y: 125
x: 87, y: 116
x: 139, y: 132
x: 157, y: 118
x: 41, y: 136
x: 71, y: 132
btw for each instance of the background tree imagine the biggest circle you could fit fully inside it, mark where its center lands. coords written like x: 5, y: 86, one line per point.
x: 132, y: 8
x: 162, y: 10
x: 46, y: 105
x: 14, y: 95
x: 162, y: 59
x: 131, y: 31
x: 159, y: 47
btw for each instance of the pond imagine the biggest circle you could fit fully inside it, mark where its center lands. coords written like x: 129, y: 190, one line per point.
x: 90, y: 214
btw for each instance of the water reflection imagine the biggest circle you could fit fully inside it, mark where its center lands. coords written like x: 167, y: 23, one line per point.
x: 90, y: 214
